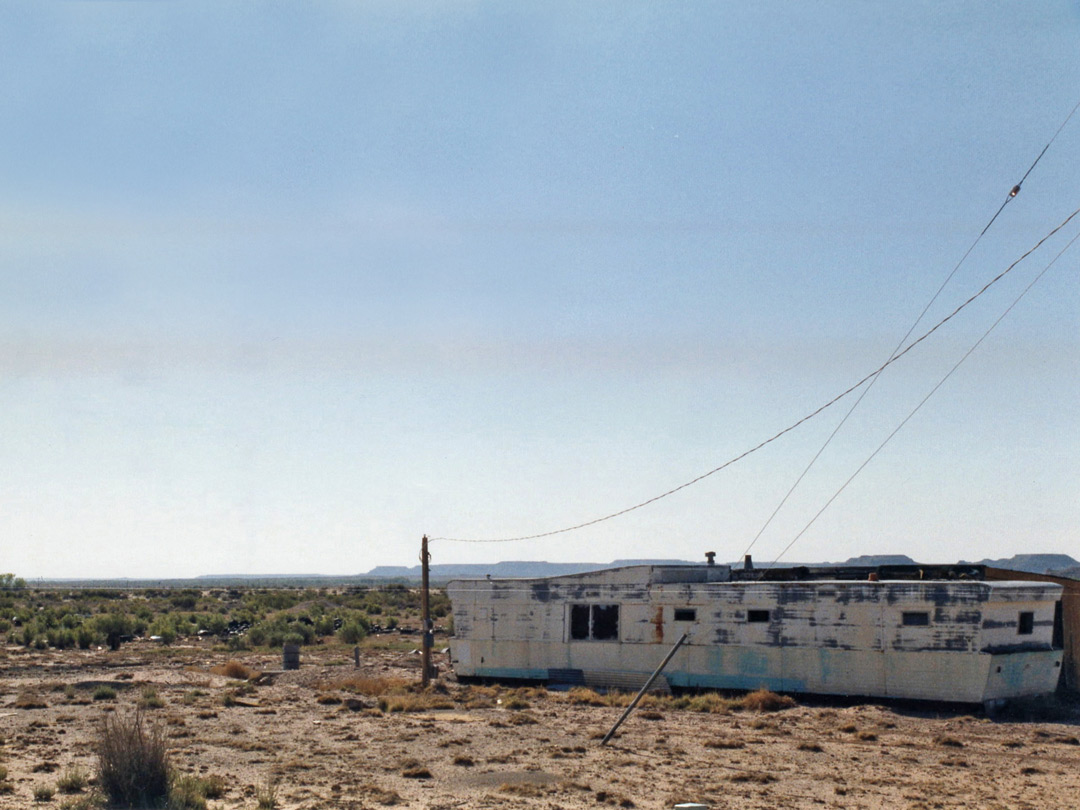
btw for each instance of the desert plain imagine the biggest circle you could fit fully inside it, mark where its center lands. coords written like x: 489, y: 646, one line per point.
x: 336, y: 735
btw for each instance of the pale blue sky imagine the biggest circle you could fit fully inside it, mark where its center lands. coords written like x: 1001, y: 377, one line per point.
x: 284, y: 286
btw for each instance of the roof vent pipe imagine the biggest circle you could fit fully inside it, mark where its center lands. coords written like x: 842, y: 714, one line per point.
x: 748, y: 563
x: 710, y: 557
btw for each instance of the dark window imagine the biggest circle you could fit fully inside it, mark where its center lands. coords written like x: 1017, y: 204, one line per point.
x: 597, y: 622
x: 1026, y: 625
x: 579, y: 621
x: 916, y: 619
x: 1059, y: 627
x: 605, y: 622
x: 757, y: 615
x: 685, y: 614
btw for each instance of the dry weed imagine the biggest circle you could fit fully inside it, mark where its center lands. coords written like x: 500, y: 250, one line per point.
x: 234, y: 669
x: 370, y: 686
x: 764, y: 700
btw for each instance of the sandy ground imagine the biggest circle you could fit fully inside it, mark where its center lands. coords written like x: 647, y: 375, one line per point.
x: 330, y: 748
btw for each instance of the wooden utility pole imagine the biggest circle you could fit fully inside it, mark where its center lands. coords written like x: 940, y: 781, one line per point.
x: 425, y: 614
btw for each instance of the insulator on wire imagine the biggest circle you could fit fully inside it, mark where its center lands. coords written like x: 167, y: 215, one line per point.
x: 1015, y: 190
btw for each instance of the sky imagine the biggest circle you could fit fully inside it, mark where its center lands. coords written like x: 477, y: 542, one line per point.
x: 286, y: 286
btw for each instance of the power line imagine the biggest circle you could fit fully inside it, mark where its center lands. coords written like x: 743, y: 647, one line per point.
x: 783, y: 432
x: 862, y: 395
x: 933, y: 391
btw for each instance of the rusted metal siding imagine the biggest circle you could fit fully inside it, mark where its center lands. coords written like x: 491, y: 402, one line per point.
x: 840, y: 637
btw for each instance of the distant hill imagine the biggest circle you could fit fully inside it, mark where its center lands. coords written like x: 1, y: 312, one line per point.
x: 513, y: 569
x: 880, y: 559
x: 1034, y: 563
x: 521, y: 569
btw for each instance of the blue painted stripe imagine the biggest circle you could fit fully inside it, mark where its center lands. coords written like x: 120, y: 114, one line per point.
x: 512, y: 672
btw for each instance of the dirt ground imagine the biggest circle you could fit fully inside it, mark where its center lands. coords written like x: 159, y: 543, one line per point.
x: 324, y: 746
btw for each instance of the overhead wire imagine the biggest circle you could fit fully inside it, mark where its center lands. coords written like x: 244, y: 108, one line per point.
x: 924, y: 400
x: 862, y: 395
x: 786, y: 430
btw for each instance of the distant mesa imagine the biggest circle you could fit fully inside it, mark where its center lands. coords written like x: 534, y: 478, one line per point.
x: 1057, y: 564
x: 1054, y: 564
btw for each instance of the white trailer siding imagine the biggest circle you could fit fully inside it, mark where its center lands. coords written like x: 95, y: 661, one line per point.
x: 966, y: 641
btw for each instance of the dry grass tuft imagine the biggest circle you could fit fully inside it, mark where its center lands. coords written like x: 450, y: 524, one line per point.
x: 583, y: 696
x: 464, y: 761
x: 813, y: 748
x: 133, y: 762
x: 752, y: 776
x: 725, y: 745
x: 765, y: 701
x: 414, y: 769
x: 378, y: 795
x: 370, y: 687
x: 414, y: 702
x: 524, y: 789
x: 29, y: 700
x: 948, y: 742
x: 234, y: 669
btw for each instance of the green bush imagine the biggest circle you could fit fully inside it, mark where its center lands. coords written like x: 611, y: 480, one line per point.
x: 113, y: 627
x: 354, y: 630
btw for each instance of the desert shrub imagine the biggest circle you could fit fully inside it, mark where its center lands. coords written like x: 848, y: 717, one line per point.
x: 765, y: 701
x: 85, y: 636
x: 133, y: 762
x: 73, y: 780
x: 113, y: 627
x: 353, y: 631
x: 150, y: 699
x: 104, y: 693
x: 61, y: 638
x: 165, y: 628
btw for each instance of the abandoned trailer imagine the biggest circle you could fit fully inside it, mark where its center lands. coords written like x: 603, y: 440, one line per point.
x: 928, y: 632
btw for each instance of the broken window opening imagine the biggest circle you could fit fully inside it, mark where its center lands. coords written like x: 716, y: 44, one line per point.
x: 596, y: 622
x: 605, y: 622
x: 1026, y: 624
x: 918, y: 618
x: 579, y: 622
x: 1059, y: 627
x: 757, y: 616
x: 685, y: 615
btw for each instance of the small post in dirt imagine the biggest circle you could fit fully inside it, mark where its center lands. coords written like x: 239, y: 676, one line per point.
x: 644, y: 689
x: 425, y: 615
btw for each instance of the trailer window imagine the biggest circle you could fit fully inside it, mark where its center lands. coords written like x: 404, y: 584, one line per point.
x: 916, y: 619
x: 685, y: 614
x: 757, y: 615
x: 1026, y: 625
x: 605, y: 622
x: 596, y: 622
x: 579, y: 621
